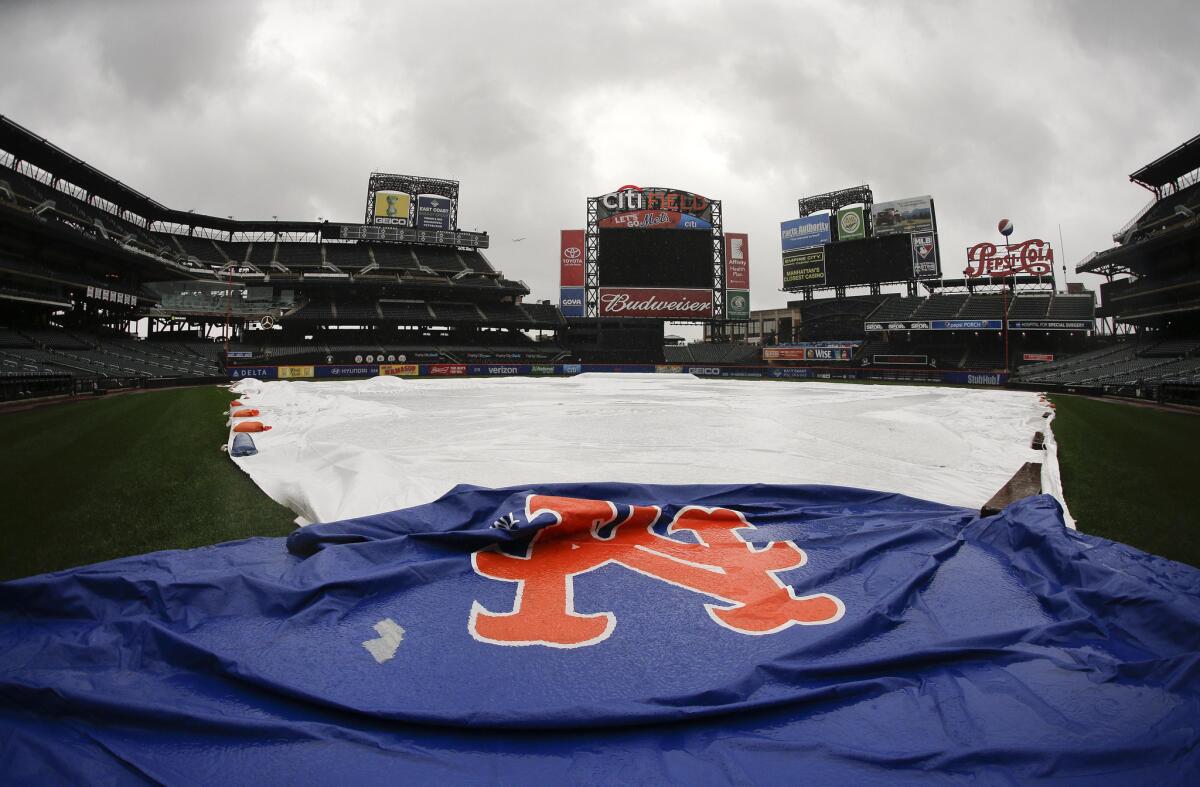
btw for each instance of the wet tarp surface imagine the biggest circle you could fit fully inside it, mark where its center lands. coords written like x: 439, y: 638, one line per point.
x: 603, y: 633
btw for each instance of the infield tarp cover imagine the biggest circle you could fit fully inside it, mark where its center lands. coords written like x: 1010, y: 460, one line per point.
x: 615, y: 633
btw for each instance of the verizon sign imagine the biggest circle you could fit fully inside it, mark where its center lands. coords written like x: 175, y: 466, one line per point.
x: 655, y: 302
x: 1032, y: 257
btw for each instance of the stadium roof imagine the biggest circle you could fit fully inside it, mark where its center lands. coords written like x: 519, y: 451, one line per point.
x: 1170, y: 166
x: 29, y: 147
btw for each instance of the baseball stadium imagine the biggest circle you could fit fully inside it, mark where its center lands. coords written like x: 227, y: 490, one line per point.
x: 332, y: 501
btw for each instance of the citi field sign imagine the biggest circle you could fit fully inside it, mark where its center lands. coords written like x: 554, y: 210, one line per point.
x: 654, y: 199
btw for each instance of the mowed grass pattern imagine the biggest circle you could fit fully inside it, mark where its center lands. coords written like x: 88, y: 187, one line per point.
x: 95, y: 480
x: 1129, y: 474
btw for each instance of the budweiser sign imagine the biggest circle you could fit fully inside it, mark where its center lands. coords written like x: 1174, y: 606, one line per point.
x: 1034, y: 257
x: 646, y: 302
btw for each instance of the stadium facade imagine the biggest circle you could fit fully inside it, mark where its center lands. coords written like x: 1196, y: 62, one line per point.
x: 84, y: 257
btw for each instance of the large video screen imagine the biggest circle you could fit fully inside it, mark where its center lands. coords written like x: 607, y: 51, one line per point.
x: 857, y: 262
x: 655, y: 258
x: 879, y: 259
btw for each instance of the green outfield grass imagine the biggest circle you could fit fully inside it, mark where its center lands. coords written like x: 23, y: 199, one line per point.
x: 1129, y: 474
x: 94, y: 480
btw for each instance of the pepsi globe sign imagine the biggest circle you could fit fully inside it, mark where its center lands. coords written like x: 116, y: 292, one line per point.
x: 1006, y: 227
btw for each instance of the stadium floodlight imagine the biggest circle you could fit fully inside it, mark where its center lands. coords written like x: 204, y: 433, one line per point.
x: 45, y: 206
x: 460, y: 275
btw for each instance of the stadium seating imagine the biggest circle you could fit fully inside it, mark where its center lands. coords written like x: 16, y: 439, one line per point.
x: 714, y: 352
x: 940, y: 307
x: 982, y: 307
x: 455, y: 312
x: 895, y: 308
x: 1029, y: 307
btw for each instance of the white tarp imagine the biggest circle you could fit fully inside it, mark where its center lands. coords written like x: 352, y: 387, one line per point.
x: 350, y: 448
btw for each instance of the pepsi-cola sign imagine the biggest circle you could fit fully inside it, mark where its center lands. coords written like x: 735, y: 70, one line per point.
x: 1033, y: 257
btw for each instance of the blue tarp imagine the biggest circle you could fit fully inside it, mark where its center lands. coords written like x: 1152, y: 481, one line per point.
x: 615, y: 633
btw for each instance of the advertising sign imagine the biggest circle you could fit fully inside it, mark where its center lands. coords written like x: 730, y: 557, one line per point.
x: 391, y: 207
x: 433, y: 212
x: 914, y: 214
x: 900, y: 360
x: 974, y: 378
x: 1032, y: 257
x: 737, y: 261
x: 1044, y: 357
x: 828, y: 351
x: 571, y: 259
x: 294, y: 372
x: 1052, y: 325
x: 850, y: 223
x: 925, y: 256
x: 570, y: 301
x: 391, y: 200
x: 346, y: 370
x: 655, y: 219
x: 239, y: 354
x: 257, y: 372
x: 655, y: 302
x: 447, y: 369
x: 399, y: 369
x: 737, y: 304
x: 542, y: 368
x: 629, y: 199
x: 804, y: 233
x: 804, y: 268
x: 935, y: 325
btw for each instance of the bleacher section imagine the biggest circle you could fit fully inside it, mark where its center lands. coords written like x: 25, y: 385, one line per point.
x: 717, y: 353
x: 1127, y: 363
x: 986, y: 306
x: 940, y: 307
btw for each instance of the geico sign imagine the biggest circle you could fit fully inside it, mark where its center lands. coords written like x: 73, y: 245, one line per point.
x: 638, y: 198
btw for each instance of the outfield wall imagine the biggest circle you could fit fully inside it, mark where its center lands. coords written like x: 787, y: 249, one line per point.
x: 446, y: 370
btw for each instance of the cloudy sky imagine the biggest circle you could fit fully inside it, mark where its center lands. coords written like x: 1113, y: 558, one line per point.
x: 1036, y: 111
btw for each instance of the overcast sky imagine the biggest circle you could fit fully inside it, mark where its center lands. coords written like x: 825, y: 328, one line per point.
x: 1032, y: 111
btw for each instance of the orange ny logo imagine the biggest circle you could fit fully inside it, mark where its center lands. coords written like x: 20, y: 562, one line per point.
x: 721, y: 565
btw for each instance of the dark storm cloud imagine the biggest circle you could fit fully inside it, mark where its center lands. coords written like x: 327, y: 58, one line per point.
x: 1032, y: 110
